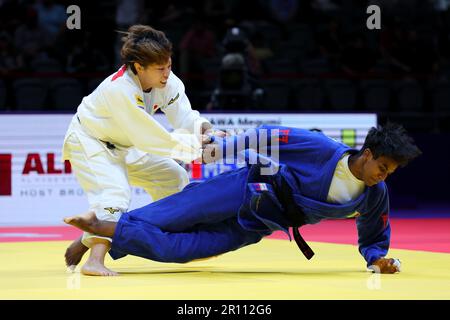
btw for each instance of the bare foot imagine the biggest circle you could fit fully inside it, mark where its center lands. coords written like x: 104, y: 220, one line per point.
x: 92, y: 268
x: 95, y: 265
x: 84, y: 222
x: 75, y: 252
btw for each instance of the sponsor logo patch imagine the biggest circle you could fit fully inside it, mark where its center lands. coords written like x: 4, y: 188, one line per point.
x: 112, y: 210
x: 139, y: 100
x: 173, y: 99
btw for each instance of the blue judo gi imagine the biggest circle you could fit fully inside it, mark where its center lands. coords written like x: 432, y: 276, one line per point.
x: 227, y: 212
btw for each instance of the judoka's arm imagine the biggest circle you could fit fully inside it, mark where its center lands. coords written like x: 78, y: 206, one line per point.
x: 259, y: 143
x: 145, y: 132
x: 374, y: 234
x: 180, y: 113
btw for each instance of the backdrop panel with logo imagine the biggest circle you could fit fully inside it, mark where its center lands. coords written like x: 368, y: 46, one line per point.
x: 36, y: 188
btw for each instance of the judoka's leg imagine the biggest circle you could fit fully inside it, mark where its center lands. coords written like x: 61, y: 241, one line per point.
x: 150, y: 242
x: 159, y: 177
x: 214, y: 200
x: 210, y: 202
x: 88, y: 222
x: 105, y: 182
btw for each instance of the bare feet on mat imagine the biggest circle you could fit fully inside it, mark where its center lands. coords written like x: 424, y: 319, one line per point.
x: 88, y: 222
x: 92, y: 268
x: 95, y: 265
x: 74, y: 253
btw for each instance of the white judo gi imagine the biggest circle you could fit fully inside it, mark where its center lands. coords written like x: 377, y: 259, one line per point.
x: 114, y: 141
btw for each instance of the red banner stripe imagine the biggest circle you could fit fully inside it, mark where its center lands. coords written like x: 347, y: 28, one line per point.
x: 5, y: 174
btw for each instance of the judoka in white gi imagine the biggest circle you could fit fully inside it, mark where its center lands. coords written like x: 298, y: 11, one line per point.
x: 113, y: 140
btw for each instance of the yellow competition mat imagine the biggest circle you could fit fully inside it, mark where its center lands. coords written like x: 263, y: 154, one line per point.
x: 272, y: 269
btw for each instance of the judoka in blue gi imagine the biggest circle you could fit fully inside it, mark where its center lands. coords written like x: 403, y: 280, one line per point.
x: 314, y: 178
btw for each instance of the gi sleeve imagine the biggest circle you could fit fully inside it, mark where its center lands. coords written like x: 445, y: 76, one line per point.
x: 179, y: 111
x: 145, y: 132
x: 254, y: 145
x: 374, y: 231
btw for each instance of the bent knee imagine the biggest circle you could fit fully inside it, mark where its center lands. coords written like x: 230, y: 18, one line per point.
x: 177, y: 179
x: 181, y: 178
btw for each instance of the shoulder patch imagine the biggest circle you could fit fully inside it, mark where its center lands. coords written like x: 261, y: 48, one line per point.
x: 173, y: 99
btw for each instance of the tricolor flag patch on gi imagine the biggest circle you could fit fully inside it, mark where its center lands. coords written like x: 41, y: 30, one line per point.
x: 259, y: 187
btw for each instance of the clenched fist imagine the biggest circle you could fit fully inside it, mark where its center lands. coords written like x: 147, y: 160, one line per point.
x: 385, y: 265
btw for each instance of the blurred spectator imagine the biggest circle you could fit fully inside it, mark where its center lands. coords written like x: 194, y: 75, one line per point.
x: 197, y: 44
x: 408, y: 51
x: 128, y: 13
x: 283, y: 11
x: 324, y: 5
x: 330, y: 41
x: 441, y: 5
x: 308, y: 34
x: 262, y: 51
x: 420, y: 52
x: 173, y: 12
x: 238, y: 88
x: 442, y: 65
x: 52, y: 18
x: 237, y: 41
x: 11, y: 14
x: 29, y: 39
x: 9, y: 61
x: 234, y: 89
x: 393, y: 48
x: 46, y: 61
x: 218, y: 10
x: 85, y: 57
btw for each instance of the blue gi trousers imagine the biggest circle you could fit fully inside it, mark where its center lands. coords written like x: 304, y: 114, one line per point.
x: 200, y: 221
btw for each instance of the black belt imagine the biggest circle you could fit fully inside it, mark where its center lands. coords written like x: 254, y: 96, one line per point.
x: 109, y: 145
x: 294, y: 214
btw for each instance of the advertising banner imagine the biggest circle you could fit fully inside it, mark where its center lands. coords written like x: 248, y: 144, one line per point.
x: 36, y: 188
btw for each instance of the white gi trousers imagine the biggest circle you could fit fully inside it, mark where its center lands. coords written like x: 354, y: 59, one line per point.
x: 106, y: 175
